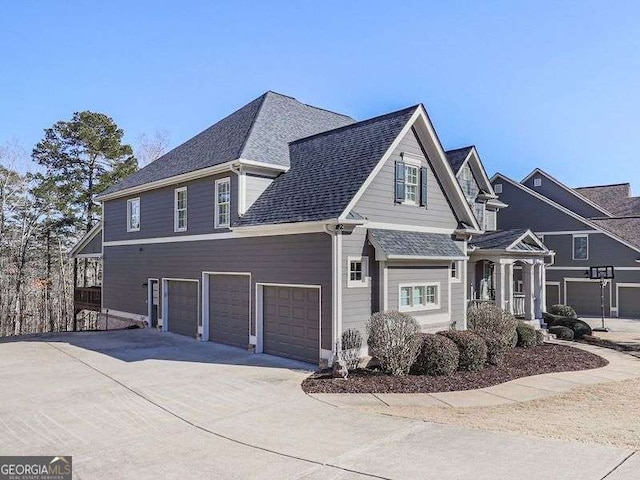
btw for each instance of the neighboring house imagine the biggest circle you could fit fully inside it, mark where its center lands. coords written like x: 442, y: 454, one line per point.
x: 587, y: 226
x: 283, y: 225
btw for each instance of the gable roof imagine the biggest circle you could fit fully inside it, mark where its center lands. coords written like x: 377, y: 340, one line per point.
x: 390, y: 244
x: 260, y: 131
x: 457, y: 157
x: 512, y: 240
x: 327, y: 170
x: 84, y: 241
x: 627, y: 228
x: 615, y: 198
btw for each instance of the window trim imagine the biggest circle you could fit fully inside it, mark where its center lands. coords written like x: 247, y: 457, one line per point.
x: 364, y: 282
x: 176, y: 227
x: 216, y: 213
x: 424, y: 306
x: 417, y: 166
x: 493, y: 214
x: 573, y: 246
x: 537, y: 182
x: 455, y: 278
x: 497, y: 188
x: 129, y: 203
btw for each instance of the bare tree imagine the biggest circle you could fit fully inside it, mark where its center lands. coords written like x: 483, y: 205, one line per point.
x: 151, y: 147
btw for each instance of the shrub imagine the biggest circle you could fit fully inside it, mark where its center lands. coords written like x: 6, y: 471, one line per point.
x: 549, y: 318
x: 526, y: 335
x: 579, y: 327
x: 437, y: 356
x: 539, y: 337
x: 496, y: 348
x: 563, y: 311
x: 562, y: 333
x: 393, y: 339
x: 488, y: 317
x: 351, y: 347
x: 472, y: 349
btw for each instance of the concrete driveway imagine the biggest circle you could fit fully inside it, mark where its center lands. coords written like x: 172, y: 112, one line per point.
x: 143, y: 404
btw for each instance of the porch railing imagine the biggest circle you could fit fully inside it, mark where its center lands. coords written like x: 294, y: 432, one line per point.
x: 518, y: 304
x: 87, y: 298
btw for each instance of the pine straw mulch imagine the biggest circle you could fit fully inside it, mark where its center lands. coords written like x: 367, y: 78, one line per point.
x: 518, y: 362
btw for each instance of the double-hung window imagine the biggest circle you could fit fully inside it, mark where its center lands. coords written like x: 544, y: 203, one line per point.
x: 133, y: 215
x: 358, y: 271
x: 455, y: 271
x: 223, y: 203
x: 180, y: 210
x: 581, y: 247
x: 419, y: 297
x: 411, y: 176
x: 411, y: 181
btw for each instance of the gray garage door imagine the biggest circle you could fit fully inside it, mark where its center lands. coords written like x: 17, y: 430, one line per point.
x: 182, y: 299
x: 552, y: 295
x: 629, y: 302
x: 584, y: 297
x: 292, y: 322
x: 229, y: 309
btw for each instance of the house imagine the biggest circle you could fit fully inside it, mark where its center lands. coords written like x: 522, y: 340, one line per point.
x: 586, y: 227
x: 284, y: 224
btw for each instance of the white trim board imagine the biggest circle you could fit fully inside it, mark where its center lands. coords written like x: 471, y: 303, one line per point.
x: 586, y: 267
x: 407, y: 228
x: 569, y: 232
x: 565, y: 210
x: 206, y: 302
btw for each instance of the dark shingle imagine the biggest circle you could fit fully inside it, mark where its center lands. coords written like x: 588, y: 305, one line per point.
x: 457, y: 157
x: 616, y: 199
x: 415, y: 244
x: 627, y: 228
x: 497, y: 240
x: 259, y: 131
x: 327, y: 170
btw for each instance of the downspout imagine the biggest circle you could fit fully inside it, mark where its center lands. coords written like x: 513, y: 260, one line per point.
x: 336, y: 287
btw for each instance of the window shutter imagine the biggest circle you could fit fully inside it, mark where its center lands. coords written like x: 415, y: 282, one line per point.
x: 399, y: 190
x: 423, y: 187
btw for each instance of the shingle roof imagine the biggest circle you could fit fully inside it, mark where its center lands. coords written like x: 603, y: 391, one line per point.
x: 627, y: 228
x: 259, y: 131
x: 616, y: 199
x: 457, y: 157
x: 414, y: 244
x: 497, y: 240
x: 326, y: 171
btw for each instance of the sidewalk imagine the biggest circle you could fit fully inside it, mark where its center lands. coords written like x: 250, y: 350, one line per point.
x: 621, y: 367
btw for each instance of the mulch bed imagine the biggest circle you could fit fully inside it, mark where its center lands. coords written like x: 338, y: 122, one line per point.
x: 519, y: 362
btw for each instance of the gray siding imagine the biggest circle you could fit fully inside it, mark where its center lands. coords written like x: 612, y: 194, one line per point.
x: 555, y: 192
x: 255, y: 186
x: 156, y: 210
x: 293, y: 259
x: 94, y: 246
x: 458, y: 306
x: 377, y: 203
x: 603, y: 250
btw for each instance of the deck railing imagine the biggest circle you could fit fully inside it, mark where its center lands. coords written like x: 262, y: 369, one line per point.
x: 87, y: 298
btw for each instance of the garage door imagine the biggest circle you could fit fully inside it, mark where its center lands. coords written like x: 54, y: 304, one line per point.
x: 552, y: 294
x: 584, y: 297
x: 291, y: 321
x: 182, y: 307
x: 229, y: 309
x: 629, y: 302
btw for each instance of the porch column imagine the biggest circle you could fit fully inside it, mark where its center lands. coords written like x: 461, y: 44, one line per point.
x: 499, y: 284
x: 509, y: 287
x: 543, y: 292
x: 528, y: 284
x: 538, y: 288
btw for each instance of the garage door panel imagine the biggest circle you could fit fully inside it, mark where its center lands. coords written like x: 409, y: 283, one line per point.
x: 552, y: 295
x: 291, y: 322
x: 584, y: 297
x: 629, y: 302
x: 229, y: 309
x: 182, y: 299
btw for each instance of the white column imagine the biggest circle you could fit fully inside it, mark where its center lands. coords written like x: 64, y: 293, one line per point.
x: 508, y: 291
x: 499, y: 271
x: 538, y: 288
x: 543, y: 293
x: 528, y: 283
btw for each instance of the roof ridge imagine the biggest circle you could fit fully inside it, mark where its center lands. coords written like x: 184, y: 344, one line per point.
x: 468, y: 147
x: 262, y: 98
x: 605, y: 185
x: 356, y: 124
x: 307, y: 104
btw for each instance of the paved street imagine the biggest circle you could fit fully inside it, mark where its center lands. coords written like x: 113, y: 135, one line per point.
x: 142, y: 404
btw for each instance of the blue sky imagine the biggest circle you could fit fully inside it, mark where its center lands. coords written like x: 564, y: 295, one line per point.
x: 530, y: 83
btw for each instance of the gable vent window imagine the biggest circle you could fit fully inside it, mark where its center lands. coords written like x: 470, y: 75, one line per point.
x: 497, y: 188
x: 410, y: 183
x: 537, y: 182
x: 223, y: 203
x: 180, y: 210
x: 133, y: 215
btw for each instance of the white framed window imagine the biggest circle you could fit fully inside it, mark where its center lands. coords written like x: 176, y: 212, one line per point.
x: 357, y: 271
x: 468, y: 183
x: 581, y: 247
x: 478, y: 210
x: 223, y: 203
x: 455, y: 271
x: 491, y: 220
x: 497, y: 188
x: 133, y: 215
x: 411, y: 183
x: 537, y: 182
x: 418, y: 297
x: 180, y: 210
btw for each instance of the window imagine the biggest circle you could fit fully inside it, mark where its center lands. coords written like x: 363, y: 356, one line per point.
x: 581, y: 247
x: 419, y: 297
x: 478, y: 210
x: 537, y: 182
x: 180, y: 210
x: 411, y: 177
x: 455, y: 271
x: 358, y: 271
x: 491, y: 220
x: 133, y: 215
x: 468, y: 184
x: 497, y: 188
x: 223, y: 203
